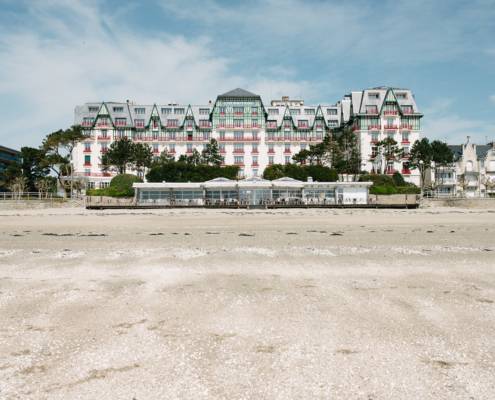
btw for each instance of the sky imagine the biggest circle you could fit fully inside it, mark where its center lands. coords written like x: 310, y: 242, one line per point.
x: 56, y: 54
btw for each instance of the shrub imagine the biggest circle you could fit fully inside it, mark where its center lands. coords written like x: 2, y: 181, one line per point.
x: 319, y: 173
x: 120, y: 186
x: 181, y: 171
x: 398, y: 179
x: 384, y: 184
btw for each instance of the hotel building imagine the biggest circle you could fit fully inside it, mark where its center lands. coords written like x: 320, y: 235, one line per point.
x: 250, y: 134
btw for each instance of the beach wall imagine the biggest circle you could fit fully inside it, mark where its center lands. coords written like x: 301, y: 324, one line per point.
x: 479, y: 203
x: 393, y: 199
x: 39, y: 204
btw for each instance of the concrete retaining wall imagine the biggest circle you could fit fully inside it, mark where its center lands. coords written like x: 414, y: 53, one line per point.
x: 37, y: 204
x: 395, y: 199
x: 479, y: 203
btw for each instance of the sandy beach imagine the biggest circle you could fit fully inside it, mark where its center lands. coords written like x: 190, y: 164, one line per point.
x: 236, y: 304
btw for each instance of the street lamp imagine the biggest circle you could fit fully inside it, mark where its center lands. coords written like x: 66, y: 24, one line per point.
x: 421, y: 181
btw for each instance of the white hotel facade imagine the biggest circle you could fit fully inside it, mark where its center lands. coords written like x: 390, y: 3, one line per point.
x: 250, y: 134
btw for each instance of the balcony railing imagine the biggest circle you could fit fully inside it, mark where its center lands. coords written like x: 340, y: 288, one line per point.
x: 406, y: 127
x: 87, y: 151
x: 104, y: 138
x: 390, y: 127
x: 87, y: 123
x: 238, y: 151
x: 390, y: 112
x: 406, y: 172
x: 374, y: 127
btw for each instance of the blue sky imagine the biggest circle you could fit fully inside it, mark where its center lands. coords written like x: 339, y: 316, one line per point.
x: 55, y: 54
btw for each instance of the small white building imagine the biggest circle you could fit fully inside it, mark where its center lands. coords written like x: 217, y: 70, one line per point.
x: 251, y: 192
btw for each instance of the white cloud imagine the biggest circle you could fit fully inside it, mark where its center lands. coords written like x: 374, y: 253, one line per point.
x: 56, y: 63
x: 398, y: 32
x: 443, y: 123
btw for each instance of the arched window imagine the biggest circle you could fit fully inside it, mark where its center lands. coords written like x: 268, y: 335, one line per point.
x: 469, y: 166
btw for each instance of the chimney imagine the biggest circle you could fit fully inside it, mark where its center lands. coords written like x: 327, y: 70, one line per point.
x: 310, y: 179
x: 285, y: 98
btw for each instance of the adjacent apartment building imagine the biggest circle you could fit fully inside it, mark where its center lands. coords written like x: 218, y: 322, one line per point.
x: 471, y: 175
x: 250, y: 133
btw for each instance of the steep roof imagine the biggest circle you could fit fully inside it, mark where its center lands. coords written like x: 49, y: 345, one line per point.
x: 239, y: 93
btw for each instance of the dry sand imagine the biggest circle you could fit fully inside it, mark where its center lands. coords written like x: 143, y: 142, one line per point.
x: 288, y: 304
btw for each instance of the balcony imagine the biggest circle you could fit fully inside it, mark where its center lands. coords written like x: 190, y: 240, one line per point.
x: 374, y: 141
x: 87, y: 150
x: 271, y: 151
x: 374, y: 127
x: 287, y: 151
x: 87, y: 164
x: 104, y: 138
x: 103, y: 151
x: 405, y: 141
x: 87, y: 123
x: 406, y: 127
x: 406, y: 171
x: 390, y: 127
x: 103, y: 124
x: 255, y: 164
x: 120, y: 123
x: 238, y: 151
x: 446, y: 181
x: 254, y: 152
x: 390, y: 112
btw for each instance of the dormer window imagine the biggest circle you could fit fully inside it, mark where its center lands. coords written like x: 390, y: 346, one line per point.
x: 309, y: 111
x: 371, y: 110
x: 118, y: 109
x: 407, y: 109
x: 303, y: 124
x: 295, y: 111
x: 179, y: 111
x: 93, y: 109
x: 373, y: 95
x: 401, y: 96
x: 139, y: 110
x: 273, y: 111
x: 120, y: 121
x: 204, y: 111
x: 331, y: 111
x: 166, y: 110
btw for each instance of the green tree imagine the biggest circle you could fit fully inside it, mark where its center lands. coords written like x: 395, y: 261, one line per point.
x: 302, y: 156
x: 344, y: 152
x: 164, y: 158
x: 119, y: 155
x: 57, y: 148
x: 33, y: 167
x: 211, y: 153
x: 195, y: 158
x: 142, y: 157
x: 182, y: 171
x: 442, y: 155
x: 421, y: 157
x: 274, y: 171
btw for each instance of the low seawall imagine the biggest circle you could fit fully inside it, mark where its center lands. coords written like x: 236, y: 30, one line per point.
x: 39, y: 203
x: 483, y: 203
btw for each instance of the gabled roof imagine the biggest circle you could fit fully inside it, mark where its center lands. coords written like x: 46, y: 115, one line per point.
x: 239, y: 93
